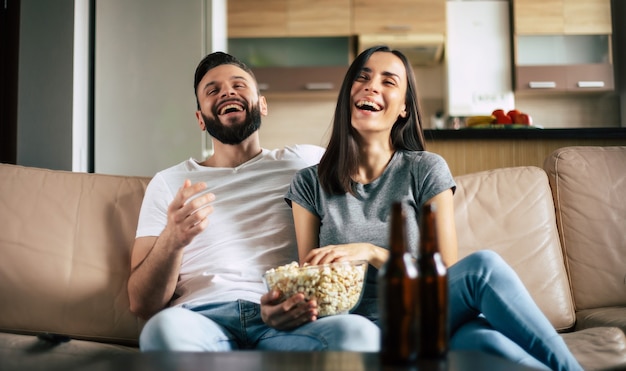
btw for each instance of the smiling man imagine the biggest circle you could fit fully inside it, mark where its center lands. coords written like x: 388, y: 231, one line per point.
x: 208, y: 230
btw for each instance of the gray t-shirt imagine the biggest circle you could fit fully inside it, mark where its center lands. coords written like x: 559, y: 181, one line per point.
x: 412, y: 176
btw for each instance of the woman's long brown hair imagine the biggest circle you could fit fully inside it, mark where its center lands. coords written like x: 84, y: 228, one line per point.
x: 340, y: 163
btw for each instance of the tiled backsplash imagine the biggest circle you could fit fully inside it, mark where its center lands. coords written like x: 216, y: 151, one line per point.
x: 572, y: 111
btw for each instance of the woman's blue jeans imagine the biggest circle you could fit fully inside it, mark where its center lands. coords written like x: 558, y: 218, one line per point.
x: 491, y: 311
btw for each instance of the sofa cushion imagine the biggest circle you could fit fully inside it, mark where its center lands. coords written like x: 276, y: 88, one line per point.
x: 510, y: 211
x: 600, y: 348
x: 606, y: 316
x: 24, y: 352
x: 65, y: 240
x: 589, y: 187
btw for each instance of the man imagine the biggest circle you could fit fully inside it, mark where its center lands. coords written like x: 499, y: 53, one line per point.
x: 208, y: 231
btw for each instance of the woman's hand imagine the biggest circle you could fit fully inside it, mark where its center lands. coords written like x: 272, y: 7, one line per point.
x: 374, y: 255
x: 289, y: 314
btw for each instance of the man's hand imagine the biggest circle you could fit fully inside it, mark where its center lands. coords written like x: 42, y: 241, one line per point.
x: 289, y: 314
x: 188, y: 216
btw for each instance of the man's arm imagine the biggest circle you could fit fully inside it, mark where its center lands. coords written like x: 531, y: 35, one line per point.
x: 155, y: 261
x: 153, y: 277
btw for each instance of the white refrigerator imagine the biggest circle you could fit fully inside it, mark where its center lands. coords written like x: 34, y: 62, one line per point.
x: 478, y: 58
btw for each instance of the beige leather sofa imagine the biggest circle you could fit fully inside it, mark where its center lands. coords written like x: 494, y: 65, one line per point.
x: 65, y: 242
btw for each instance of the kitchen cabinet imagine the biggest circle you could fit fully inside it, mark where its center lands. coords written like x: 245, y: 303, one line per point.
x: 398, y: 16
x: 572, y: 78
x: 563, y: 63
x: 290, y: 80
x: 569, y: 17
x: 295, y: 64
x: 563, y: 45
x: 293, y: 18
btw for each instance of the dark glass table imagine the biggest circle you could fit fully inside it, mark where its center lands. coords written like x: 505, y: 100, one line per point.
x: 294, y: 361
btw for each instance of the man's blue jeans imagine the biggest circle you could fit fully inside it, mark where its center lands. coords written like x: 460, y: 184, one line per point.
x: 238, y: 325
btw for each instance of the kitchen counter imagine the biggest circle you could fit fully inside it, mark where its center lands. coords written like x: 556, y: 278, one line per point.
x: 472, y: 150
x: 581, y: 133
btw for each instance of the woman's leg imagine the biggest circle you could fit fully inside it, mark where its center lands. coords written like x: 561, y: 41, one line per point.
x: 479, y: 335
x: 484, y: 283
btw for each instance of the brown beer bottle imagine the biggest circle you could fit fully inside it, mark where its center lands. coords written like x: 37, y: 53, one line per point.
x: 433, y: 289
x: 397, y: 294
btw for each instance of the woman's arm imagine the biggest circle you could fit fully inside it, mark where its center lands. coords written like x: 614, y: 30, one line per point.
x: 446, y: 227
x: 307, y: 235
x: 307, y: 230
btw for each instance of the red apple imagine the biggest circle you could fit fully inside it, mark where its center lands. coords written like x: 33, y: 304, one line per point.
x: 503, y: 119
x: 524, y: 119
x: 513, y: 115
x: 498, y: 112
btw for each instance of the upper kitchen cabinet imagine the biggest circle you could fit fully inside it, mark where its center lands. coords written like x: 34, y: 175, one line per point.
x: 319, y: 18
x: 252, y: 18
x: 563, y: 46
x: 288, y: 18
x: 562, y: 17
x: 398, y: 16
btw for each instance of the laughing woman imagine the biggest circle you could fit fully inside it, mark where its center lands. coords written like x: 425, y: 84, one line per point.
x: 376, y: 156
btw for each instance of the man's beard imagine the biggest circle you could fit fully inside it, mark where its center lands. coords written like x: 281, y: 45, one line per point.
x: 234, y: 133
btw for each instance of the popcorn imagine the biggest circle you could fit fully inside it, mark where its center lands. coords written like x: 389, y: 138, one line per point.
x: 336, y: 287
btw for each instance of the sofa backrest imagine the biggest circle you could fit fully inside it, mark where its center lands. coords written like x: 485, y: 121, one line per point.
x: 589, y: 190
x: 65, y: 240
x: 510, y: 211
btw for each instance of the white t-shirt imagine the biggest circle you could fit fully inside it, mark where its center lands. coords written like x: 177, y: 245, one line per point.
x: 250, y: 230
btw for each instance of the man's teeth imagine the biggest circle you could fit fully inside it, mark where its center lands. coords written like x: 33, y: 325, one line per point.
x: 368, y: 105
x: 230, y: 108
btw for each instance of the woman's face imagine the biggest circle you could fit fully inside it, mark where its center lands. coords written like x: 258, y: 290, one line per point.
x: 378, y: 94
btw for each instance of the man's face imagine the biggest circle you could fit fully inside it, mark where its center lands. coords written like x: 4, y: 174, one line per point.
x: 230, y: 108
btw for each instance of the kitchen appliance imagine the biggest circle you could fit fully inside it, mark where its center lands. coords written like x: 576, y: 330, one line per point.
x: 478, y: 58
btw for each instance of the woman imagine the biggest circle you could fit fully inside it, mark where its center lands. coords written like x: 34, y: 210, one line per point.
x: 376, y: 156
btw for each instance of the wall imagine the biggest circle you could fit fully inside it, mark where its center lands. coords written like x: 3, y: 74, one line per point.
x: 45, y: 83
x: 146, y: 54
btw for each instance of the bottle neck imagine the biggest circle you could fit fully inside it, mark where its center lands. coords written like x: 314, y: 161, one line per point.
x: 428, y: 231
x: 397, y: 236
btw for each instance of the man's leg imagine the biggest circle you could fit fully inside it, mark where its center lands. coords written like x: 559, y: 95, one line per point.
x: 179, y: 329
x: 346, y: 332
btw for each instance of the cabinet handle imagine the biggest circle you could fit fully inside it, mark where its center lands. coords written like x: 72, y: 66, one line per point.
x: 263, y: 86
x: 542, y: 84
x: 398, y: 27
x: 591, y: 84
x: 319, y: 86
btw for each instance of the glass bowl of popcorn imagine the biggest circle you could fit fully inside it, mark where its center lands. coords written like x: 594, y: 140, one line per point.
x: 337, y: 287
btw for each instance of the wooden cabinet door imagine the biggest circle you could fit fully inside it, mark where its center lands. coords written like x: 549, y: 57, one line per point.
x: 540, y: 78
x: 398, y: 16
x: 555, y: 17
x: 287, y: 18
x: 538, y: 17
x: 587, y: 17
x: 590, y: 77
x: 579, y: 77
x: 319, y: 18
x: 255, y: 18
